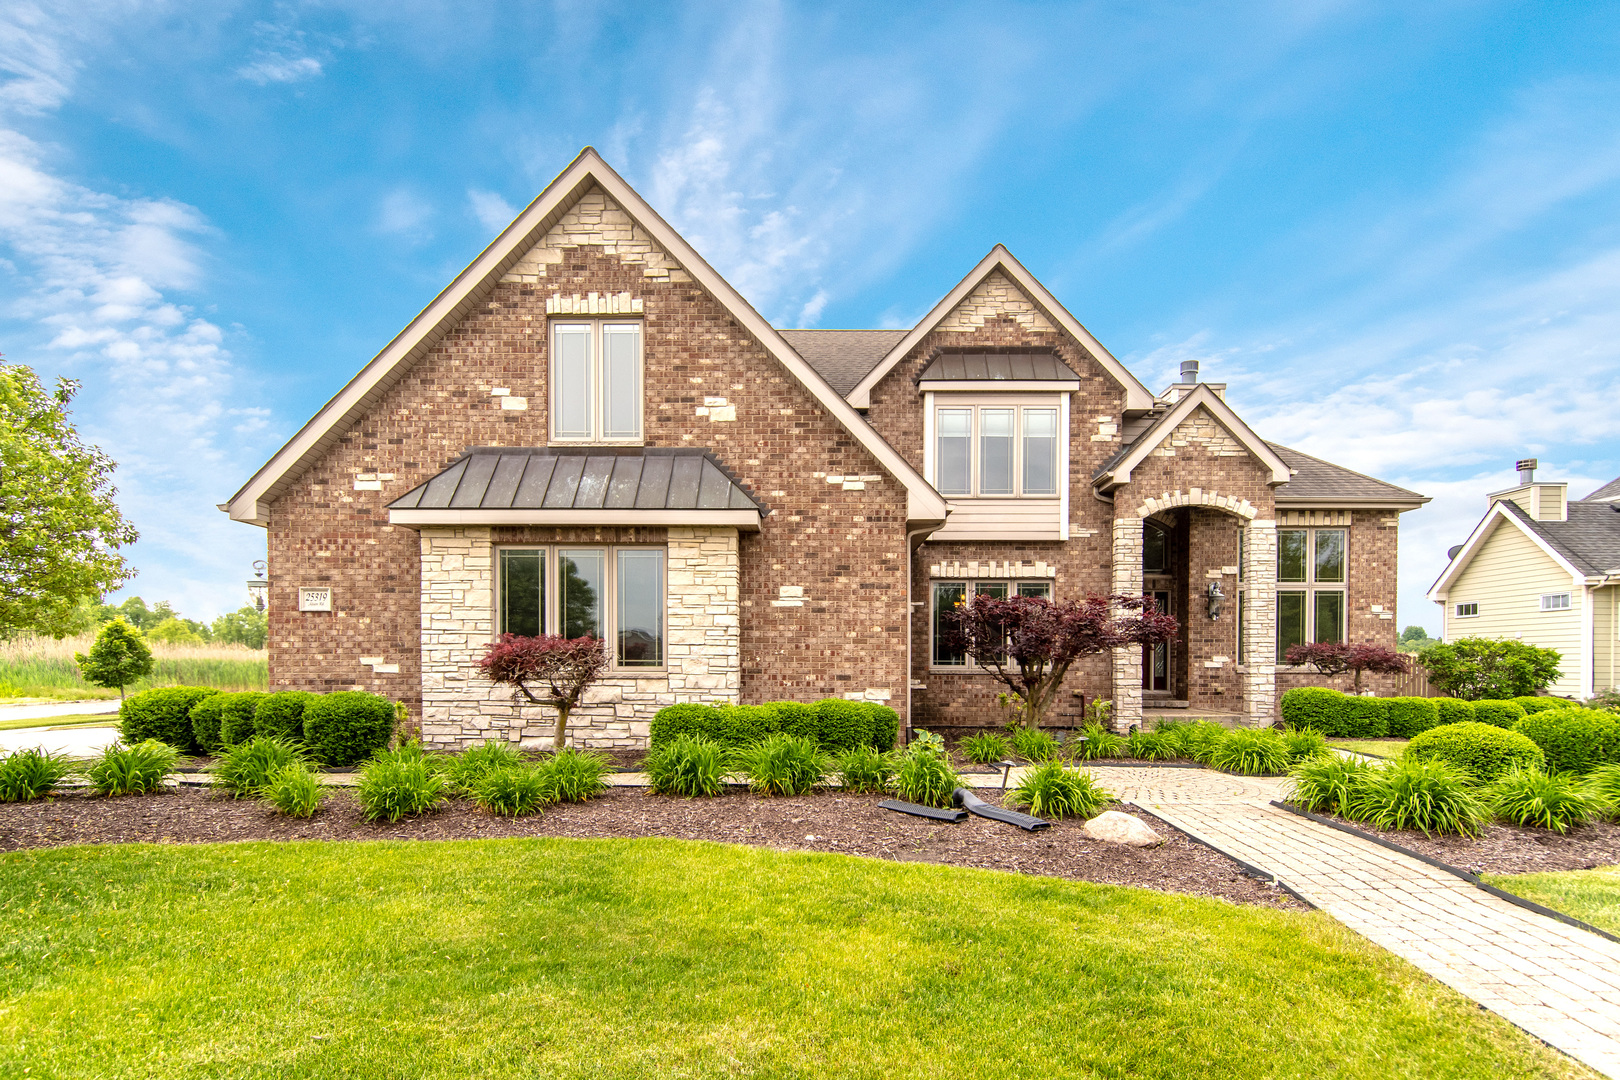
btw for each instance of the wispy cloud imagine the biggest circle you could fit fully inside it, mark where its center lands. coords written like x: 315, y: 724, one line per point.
x: 493, y: 212
x: 284, y: 54
x: 404, y: 212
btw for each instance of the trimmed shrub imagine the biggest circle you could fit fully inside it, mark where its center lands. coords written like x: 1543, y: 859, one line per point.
x: 793, y: 718
x: 246, y: 768
x: 1327, y: 784
x: 1573, y: 740
x: 26, y: 775
x: 514, y: 792
x: 836, y: 725
x: 924, y: 775
x: 983, y: 749
x: 864, y: 769
x: 394, y: 786
x: 1099, y: 743
x: 464, y: 771
x: 1363, y: 718
x: 1152, y: 745
x: 1036, y: 746
x: 1409, y: 716
x: 1314, y: 707
x: 673, y: 721
x: 132, y: 770
x: 1052, y: 791
x: 294, y: 791
x: 782, y: 765
x: 1304, y: 745
x: 576, y: 775
x: 687, y: 765
x: 236, y: 712
x: 281, y: 715
x: 1541, y: 703
x: 347, y: 726
x: 1453, y: 710
x: 843, y: 725
x: 1431, y: 796
x: 1484, y: 750
x: 163, y: 714
x: 1250, y: 752
x: 1531, y: 797
x: 885, y: 727
x: 1502, y: 714
x: 205, y: 720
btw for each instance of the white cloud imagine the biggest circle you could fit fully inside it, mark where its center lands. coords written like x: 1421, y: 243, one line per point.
x: 280, y: 69
x: 283, y: 55
x: 493, y: 212
x: 403, y: 211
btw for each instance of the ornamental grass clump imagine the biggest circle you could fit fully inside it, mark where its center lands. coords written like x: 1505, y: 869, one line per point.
x: 985, y: 748
x: 576, y: 775
x: 1152, y: 745
x: 1430, y: 796
x: 924, y: 775
x: 245, y: 769
x: 394, y: 785
x: 1193, y: 740
x: 1250, y: 752
x: 1327, y: 784
x: 1052, y: 791
x: 863, y: 770
x: 687, y: 765
x: 1036, y: 746
x: 464, y: 771
x: 1303, y: 745
x: 1532, y: 797
x: 26, y: 775
x: 1603, y: 783
x: 782, y: 765
x: 517, y: 791
x: 294, y: 790
x: 131, y: 770
x: 1098, y: 742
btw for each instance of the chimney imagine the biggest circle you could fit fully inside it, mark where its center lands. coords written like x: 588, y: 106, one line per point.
x: 1543, y: 500
x: 1189, y: 371
x: 1527, y: 469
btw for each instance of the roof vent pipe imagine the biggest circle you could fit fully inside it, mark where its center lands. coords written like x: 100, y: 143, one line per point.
x: 1527, y: 470
x: 1189, y: 371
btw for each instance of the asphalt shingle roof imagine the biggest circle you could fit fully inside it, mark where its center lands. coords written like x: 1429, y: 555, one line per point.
x: 1611, y: 490
x: 1313, y: 478
x: 594, y: 478
x: 843, y: 357
x: 1590, y: 539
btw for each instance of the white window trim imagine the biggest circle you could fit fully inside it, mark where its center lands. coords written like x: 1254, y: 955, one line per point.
x: 1457, y: 612
x: 970, y: 590
x: 934, y: 401
x: 610, y: 589
x: 598, y: 399
x: 1567, y: 598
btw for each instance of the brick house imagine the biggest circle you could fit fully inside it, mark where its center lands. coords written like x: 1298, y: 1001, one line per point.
x: 590, y: 431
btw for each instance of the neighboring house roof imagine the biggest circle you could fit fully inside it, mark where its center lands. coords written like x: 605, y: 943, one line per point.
x: 843, y: 356
x: 981, y: 368
x: 1313, y: 480
x: 1117, y: 470
x: 1137, y: 396
x: 1587, y: 545
x: 492, y: 485
x: 472, y: 285
x: 1609, y: 491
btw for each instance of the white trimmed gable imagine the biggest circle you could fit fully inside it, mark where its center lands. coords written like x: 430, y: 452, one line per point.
x: 597, y: 220
x: 995, y: 297
x: 1200, y: 418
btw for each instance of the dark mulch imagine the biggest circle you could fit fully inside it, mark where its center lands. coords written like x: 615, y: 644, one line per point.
x: 830, y: 822
x: 1512, y: 849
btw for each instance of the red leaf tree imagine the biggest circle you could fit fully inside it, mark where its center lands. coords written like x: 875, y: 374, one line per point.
x: 566, y: 667
x: 1028, y: 643
x: 1338, y: 657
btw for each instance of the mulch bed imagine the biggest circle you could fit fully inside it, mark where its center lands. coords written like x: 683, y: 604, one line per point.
x: 830, y: 822
x: 1513, y: 849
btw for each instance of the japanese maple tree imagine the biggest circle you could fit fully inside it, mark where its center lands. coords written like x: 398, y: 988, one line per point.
x: 561, y: 668
x: 1028, y: 643
x: 1338, y: 657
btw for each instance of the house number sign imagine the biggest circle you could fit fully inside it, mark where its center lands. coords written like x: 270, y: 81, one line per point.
x: 315, y: 599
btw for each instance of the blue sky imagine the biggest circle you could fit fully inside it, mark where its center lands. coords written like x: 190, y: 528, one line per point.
x: 1392, y: 232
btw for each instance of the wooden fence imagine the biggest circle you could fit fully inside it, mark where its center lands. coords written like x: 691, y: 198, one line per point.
x: 1416, y: 684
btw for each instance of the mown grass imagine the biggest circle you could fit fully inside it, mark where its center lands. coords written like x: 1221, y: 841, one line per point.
x: 1592, y: 896
x: 1384, y: 748
x: 45, y: 668
x: 568, y: 958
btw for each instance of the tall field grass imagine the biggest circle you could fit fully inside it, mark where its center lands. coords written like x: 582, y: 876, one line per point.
x: 44, y: 668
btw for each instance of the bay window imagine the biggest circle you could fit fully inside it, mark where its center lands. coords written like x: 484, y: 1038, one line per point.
x: 596, y: 381
x: 613, y: 593
x: 1311, y: 601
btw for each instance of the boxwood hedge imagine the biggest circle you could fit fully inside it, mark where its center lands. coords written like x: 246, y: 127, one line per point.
x: 205, y: 717
x: 1573, y: 740
x: 281, y: 715
x: 1503, y: 714
x: 836, y: 725
x: 1454, y: 710
x: 1485, y: 750
x: 1334, y: 714
x: 1409, y: 716
x: 1533, y: 705
x: 347, y: 726
x: 163, y: 714
x: 236, y: 714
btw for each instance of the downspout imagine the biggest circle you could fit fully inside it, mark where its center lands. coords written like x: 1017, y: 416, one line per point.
x: 911, y: 632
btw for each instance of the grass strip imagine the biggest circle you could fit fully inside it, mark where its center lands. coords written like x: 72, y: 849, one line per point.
x: 49, y: 722
x: 1381, y: 748
x: 1592, y: 896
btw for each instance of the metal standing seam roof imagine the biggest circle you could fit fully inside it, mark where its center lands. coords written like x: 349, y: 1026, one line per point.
x: 1590, y: 539
x: 590, y: 478
x: 993, y: 367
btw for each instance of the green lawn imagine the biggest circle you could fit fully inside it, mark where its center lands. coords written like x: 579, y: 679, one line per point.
x: 77, y: 720
x: 1384, y: 748
x: 1592, y: 896
x: 563, y: 958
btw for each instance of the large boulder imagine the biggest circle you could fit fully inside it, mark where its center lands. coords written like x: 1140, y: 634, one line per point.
x: 1117, y: 828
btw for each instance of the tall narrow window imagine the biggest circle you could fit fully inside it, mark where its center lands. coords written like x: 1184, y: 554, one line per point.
x: 1329, y: 616
x: 596, y: 381
x: 955, y: 451
x: 1040, y: 451
x: 1290, y: 621
x: 1291, y: 554
x: 640, y: 603
x: 1329, y: 554
x: 523, y: 592
x: 621, y: 381
x: 571, y: 374
x: 948, y: 596
x: 579, y: 585
x: 996, y: 451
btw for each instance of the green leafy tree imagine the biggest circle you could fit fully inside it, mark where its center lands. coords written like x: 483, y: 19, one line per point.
x: 1415, y: 639
x: 244, y: 626
x: 60, y: 532
x: 119, y: 657
x: 173, y: 631
x: 1477, y: 668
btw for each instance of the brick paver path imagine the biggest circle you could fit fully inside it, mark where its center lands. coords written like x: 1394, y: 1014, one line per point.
x: 1559, y: 983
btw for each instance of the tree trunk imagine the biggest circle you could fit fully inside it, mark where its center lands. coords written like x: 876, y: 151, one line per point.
x: 562, y: 725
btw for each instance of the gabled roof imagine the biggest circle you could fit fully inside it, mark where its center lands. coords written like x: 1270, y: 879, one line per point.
x: 1313, y: 480
x: 1137, y: 396
x: 474, y: 283
x: 843, y: 356
x: 1117, y: 470
x: 1503, y: 513
x: 494, y: 485
x: 1608, y: 492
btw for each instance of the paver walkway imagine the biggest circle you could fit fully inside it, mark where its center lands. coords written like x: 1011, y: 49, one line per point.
x: 1558, y: 982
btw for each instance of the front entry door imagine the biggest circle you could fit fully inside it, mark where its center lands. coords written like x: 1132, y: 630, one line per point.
x: 1156, y: 658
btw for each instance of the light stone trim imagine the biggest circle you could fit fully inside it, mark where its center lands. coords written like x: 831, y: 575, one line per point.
x: 996, y: 296
x: 703, y: 646
x: 597, y: 221
x: 1127, y: 581
x: 1260, y: 623
x: 1316, y: 517
x: 1169, y: 500
x: 992, y: 568
x: 1200, y: 429
x: 593, y: 304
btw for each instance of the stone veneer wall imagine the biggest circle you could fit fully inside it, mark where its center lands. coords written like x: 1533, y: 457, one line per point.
x: 460, y: 709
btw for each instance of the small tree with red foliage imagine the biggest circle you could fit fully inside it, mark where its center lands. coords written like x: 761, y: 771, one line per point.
x: 1028, y: 643
x: 1338, y: 657
x: 567, y: 667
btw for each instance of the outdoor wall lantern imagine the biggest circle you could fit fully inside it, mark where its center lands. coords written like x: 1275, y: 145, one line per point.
x: 1215, y: 598
x: 258, y: 586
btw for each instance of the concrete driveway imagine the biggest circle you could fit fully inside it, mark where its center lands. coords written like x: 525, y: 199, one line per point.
x: 79, y: 742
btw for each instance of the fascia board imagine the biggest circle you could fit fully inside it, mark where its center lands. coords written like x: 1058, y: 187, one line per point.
x: 1351, y: 504
x: 994, y: 386
x: 1137, y: 396
x: 922, y: 501
x: 741, y: 519
x: 1488, y: 524
x: 1201, y: 395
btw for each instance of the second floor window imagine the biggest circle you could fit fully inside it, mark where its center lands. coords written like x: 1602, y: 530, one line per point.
x: 596, y: 381
x: 985, y: 450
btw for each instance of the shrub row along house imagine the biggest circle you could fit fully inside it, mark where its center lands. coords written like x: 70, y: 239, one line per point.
x: 590, y: 432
